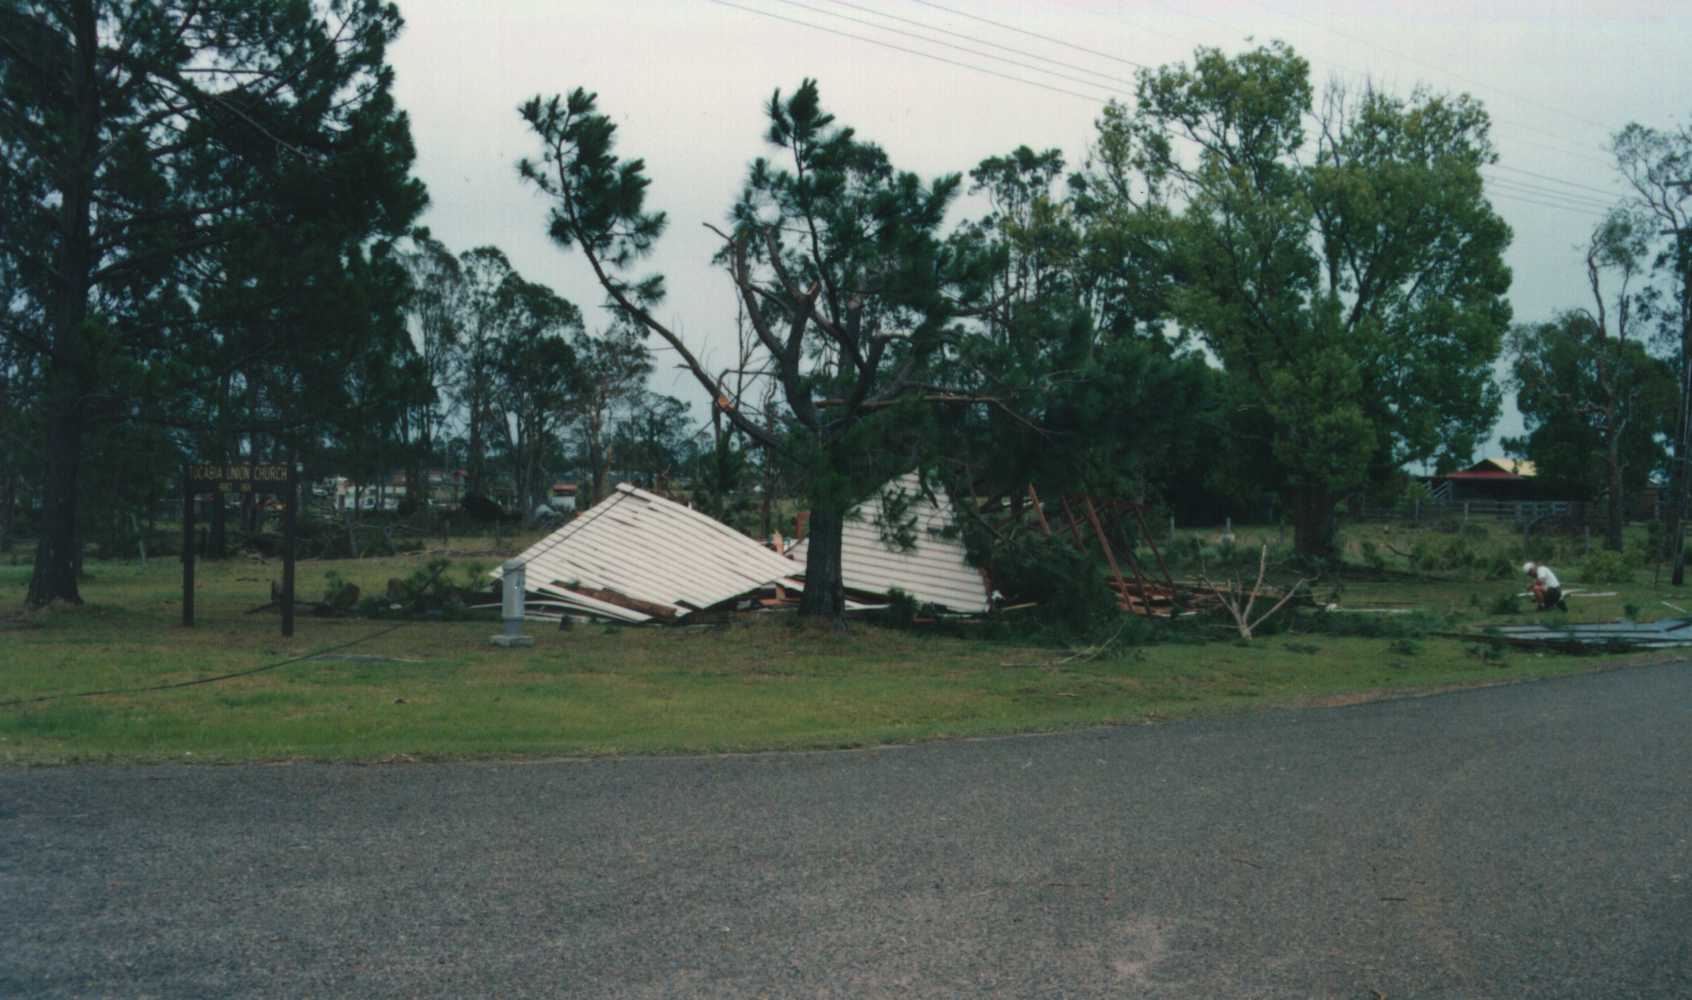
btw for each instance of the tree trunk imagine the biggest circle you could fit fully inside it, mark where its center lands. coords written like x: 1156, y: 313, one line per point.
x: 58, y: 548
x: 1677, y: 466
x: 601, y: 463
x: 58, y: 552
x: 1312, y: 510
x: 476, y: 464
x: 8, y: 506
x: 825, y: 591
x: 1613, y: 515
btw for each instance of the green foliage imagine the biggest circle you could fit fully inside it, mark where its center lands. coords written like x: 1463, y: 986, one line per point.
x: 901, y: 609
x: 427, y: 591
x: 335, y: 590
x: 1358, y: 332
x: 895, y: 520
x: 1605, y: 566
x: 1414, y: 625
x: 1502, y: 565
x: 1555, y: 370
x: 1490, y: 653
x: 198, y: 235
x: 840, y: 271
x: 1505, y: 604
x: 1068, y: 585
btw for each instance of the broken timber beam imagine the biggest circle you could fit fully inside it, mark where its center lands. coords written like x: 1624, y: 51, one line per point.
x: 1034, y: 498
x: 1110, y: 557
x: 1074, y: 525
x: 664, y: 611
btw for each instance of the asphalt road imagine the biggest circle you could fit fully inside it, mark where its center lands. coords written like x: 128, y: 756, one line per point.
x: 1520, y: 841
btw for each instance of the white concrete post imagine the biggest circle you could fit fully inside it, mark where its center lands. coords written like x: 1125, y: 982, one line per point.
x: 513, y: 576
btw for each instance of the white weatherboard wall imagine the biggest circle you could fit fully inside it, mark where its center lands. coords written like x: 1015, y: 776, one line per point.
x: 652, y: 549
x: 934, y: 571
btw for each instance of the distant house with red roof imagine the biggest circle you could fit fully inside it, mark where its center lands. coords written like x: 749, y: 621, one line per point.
x: 1500, y: 479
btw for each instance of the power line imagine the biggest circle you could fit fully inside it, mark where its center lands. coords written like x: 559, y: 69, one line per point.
x: 1032, y: 34
x: 1587, y: 212
x: 1581, y: 201
x: 935, y: 41
x: 1564, y: 148
x: 981, y: 41
x: 914, y: 52
x: 1522, y: 191
x: 1555, y: 180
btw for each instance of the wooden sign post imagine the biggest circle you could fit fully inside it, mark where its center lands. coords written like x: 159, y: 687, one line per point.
x: 264, y: 479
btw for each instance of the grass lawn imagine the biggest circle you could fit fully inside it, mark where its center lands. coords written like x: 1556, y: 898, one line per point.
x: 438, y: 689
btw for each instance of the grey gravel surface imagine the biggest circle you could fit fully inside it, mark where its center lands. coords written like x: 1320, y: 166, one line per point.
x: 1529, y: 840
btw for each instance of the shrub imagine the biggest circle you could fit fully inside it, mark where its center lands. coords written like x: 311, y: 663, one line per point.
x: 1502, y: 565
x: 1377, y: 626
x: 1488, y: 653
x: 901, y: 609
x: 1606, y: 566
x: 1505, y: 604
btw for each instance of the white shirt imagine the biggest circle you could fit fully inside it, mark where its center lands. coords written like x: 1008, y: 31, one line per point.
x: 1547, y: 578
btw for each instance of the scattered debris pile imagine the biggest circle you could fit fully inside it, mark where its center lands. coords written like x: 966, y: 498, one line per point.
x: 1088, y: 521
x: 637, y: 557
x: 906, y: 538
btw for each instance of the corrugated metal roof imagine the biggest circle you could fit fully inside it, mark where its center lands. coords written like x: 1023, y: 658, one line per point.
x: 651, y: 549
x: 1668, y: 633
x: 934, y: 571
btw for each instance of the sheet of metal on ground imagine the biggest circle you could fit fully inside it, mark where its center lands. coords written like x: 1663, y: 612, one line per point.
x: 1665, y: 634
x: 637, y: 557
x: 934, y: 570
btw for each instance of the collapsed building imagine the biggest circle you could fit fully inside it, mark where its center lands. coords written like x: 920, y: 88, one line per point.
x: 637, y: 557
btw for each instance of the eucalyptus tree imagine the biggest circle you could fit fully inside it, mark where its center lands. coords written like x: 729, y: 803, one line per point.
x: 485, y: 319
x: 838, y: 260
x: 1595, y: 409
x: 538, y: 379
x: 435, y: 312
x: 612, y: 368
x: 1657, y: 165
x: 1619, y: 248
x: 1349, y: 280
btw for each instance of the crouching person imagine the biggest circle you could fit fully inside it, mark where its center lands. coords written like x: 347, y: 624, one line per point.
x: 1547, y: 589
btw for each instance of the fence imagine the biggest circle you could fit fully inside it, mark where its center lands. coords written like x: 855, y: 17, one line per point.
x: 1473, y: 511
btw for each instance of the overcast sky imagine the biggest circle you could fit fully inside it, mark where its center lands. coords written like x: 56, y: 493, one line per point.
x: 686, y: 81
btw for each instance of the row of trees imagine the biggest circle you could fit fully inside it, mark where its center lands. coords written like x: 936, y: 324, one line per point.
x: 1302, y: 297
x: 201, y: 200
x: 1249, y: 285
x: 506, y: 374
x: 1601, y: 386
x: 207, y: 248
